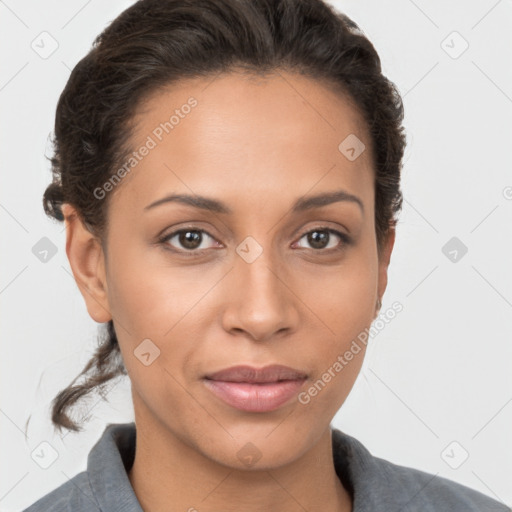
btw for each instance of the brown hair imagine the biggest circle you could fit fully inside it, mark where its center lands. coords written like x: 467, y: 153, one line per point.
x: 156, y: 42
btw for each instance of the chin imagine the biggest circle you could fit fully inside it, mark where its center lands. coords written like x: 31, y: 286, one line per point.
x: 260, y: 447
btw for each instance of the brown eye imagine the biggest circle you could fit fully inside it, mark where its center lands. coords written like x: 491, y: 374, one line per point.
x: 190, y: 239
x: 187, y: 239
x: 321, y: 238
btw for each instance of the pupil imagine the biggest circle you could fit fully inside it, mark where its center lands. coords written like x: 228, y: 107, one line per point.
x: 318, y: 239
x: 189, y: 239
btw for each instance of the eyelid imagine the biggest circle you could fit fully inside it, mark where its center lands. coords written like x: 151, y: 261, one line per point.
x: 344, y: 237
x: 164, y: 239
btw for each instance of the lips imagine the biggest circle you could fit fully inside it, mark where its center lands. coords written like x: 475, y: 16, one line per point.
x: 255, y: 389
x: 272, y: 373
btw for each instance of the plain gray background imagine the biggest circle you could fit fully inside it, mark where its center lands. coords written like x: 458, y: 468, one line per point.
x: 436, y: 385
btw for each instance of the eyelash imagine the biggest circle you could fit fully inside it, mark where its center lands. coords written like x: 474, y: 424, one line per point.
x: 345, y: 239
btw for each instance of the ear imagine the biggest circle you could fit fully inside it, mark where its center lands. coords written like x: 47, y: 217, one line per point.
x: 384, y: 259
x: 87, y: 261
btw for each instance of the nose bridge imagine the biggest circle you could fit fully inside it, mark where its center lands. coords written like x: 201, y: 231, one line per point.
x: 259, y: 278
x: 261, y: 303
x: 256, y: 270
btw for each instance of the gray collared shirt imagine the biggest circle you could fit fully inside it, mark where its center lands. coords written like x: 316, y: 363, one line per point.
x: 375, y: 484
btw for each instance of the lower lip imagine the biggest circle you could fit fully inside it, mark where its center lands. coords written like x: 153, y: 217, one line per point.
x: 255, y: 397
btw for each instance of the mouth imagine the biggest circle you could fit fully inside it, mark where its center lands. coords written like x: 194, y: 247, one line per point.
x: 256, y: 390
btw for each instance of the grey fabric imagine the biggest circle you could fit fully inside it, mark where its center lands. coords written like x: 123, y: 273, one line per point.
x: 376, y: 484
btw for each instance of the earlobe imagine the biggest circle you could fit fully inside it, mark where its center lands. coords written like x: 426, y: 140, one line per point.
x: 86, y: 258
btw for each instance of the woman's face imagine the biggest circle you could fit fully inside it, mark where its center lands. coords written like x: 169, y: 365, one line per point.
x: 248, y: 285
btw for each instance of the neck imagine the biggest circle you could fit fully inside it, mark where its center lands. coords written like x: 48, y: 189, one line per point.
x: 168, y: 475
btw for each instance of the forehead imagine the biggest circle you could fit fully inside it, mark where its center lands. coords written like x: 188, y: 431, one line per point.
x: 240, y: 133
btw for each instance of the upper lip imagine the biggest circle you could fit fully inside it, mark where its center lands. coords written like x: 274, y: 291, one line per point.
x: 245, y: 373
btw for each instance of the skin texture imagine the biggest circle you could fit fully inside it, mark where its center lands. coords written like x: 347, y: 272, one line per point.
x: 257, y: 145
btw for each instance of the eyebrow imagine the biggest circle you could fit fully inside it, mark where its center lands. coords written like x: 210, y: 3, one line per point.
x: 302, y: 204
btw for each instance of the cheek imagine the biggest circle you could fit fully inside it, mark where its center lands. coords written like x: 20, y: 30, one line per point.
x: 161, y: 304
x: 147, y: 296
x: 344, y: 302
x: 152, y: 310
x: 346, y: 309
x: 343, y: 298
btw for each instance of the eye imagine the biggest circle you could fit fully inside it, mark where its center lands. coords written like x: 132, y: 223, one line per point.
x: 189, y: 240
x: 320, y: 238
x: 193, y: 241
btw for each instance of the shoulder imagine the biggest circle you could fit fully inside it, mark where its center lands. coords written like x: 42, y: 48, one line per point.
x: 75, y: 495
x: 105, y: 484
x: 378, y: 484
x: 428, y: 492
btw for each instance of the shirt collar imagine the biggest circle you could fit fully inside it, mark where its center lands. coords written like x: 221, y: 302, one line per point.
x: 360, y: 472
x: 108, y: 464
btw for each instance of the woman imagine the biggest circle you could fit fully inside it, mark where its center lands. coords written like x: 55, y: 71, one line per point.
x: 229, y: 176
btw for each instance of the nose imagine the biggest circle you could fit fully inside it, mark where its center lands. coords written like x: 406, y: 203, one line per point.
x: 261, y: 302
